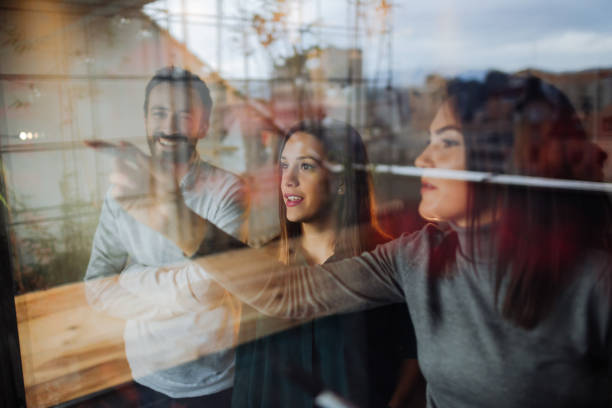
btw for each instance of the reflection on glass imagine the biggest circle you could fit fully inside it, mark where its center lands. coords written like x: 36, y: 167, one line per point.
x: 449, y: 135
x: 501, y: 270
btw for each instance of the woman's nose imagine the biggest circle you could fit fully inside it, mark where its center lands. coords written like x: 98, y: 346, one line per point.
x: 424, y: 159
x: 289, y: 178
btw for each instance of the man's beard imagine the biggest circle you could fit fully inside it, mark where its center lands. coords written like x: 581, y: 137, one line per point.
x: 183, y: 150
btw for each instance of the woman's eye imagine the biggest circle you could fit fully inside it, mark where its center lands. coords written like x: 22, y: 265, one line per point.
x: 284, y: 166
x: 307, y: 166
x: 450, y: 142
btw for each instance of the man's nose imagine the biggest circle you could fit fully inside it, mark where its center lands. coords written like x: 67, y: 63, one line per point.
x: 170, y: 125
x: 173, y: 125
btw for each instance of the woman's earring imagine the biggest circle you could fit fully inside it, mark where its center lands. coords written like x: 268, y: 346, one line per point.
x: 340, y: 190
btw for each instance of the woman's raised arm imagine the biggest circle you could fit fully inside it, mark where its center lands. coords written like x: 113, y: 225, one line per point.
x: 257, y: 278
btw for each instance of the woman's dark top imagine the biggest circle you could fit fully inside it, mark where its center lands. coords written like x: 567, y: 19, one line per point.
x: 357, y: 355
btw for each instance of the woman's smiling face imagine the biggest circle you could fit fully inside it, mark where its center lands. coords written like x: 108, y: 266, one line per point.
x: 444, y: 199
x: 304, y: 178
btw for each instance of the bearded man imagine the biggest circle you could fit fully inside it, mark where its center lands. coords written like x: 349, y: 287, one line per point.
x: 157, y: 215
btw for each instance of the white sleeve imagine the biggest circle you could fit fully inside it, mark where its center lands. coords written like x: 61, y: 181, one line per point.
x: 223, y: 200
x: 232, y: 212
x: 107, y: 260
x: 177, y: 287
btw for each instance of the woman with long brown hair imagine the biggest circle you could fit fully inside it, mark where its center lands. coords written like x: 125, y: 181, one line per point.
x: 326, y: 210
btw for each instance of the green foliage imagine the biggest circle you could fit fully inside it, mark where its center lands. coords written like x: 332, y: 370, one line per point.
x: 47, y: 266
x: 47, y: 254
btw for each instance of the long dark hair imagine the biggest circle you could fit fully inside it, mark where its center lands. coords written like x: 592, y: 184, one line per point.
x: 354, y: 211
x: 522, y: 125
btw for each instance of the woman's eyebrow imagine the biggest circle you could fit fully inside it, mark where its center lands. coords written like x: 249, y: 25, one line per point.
x: 303, y: 157
x: 309, y: 157
x: 446, y: 128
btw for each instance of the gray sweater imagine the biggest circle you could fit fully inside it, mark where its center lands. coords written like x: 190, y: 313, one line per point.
x: 182, y: 347
x: 470, y: 356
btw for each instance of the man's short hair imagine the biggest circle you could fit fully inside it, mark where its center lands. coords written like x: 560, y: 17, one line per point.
x: 178, y: 76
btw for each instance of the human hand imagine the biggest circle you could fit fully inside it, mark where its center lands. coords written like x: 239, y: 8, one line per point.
x: 145, y: 188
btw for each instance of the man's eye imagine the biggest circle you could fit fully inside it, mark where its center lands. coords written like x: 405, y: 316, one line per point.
x: 159, y: 114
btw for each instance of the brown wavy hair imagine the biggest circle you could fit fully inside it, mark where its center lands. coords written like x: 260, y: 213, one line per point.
x: 357, y: 228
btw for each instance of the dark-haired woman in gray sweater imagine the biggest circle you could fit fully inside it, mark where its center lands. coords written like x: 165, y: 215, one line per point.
x: 509, y: 287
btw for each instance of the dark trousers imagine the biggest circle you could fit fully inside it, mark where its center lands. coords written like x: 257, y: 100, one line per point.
x: 133, y: 394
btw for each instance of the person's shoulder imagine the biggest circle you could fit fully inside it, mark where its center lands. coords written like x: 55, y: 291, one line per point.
x: 588, y: 295
x: 428, y: 236
x: 209, y: 176
x: 206, y: 169
x: 412, y: 247
x: 110, y: 204
x: 594, y: 270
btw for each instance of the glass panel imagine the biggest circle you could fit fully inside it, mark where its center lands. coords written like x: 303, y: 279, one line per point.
x: 334, y: 126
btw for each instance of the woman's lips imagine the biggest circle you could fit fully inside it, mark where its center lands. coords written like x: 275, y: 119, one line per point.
x: 291, y: 200
x: 425, y: 186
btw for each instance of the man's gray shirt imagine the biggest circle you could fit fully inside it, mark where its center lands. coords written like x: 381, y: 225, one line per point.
x: 176, y: 345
